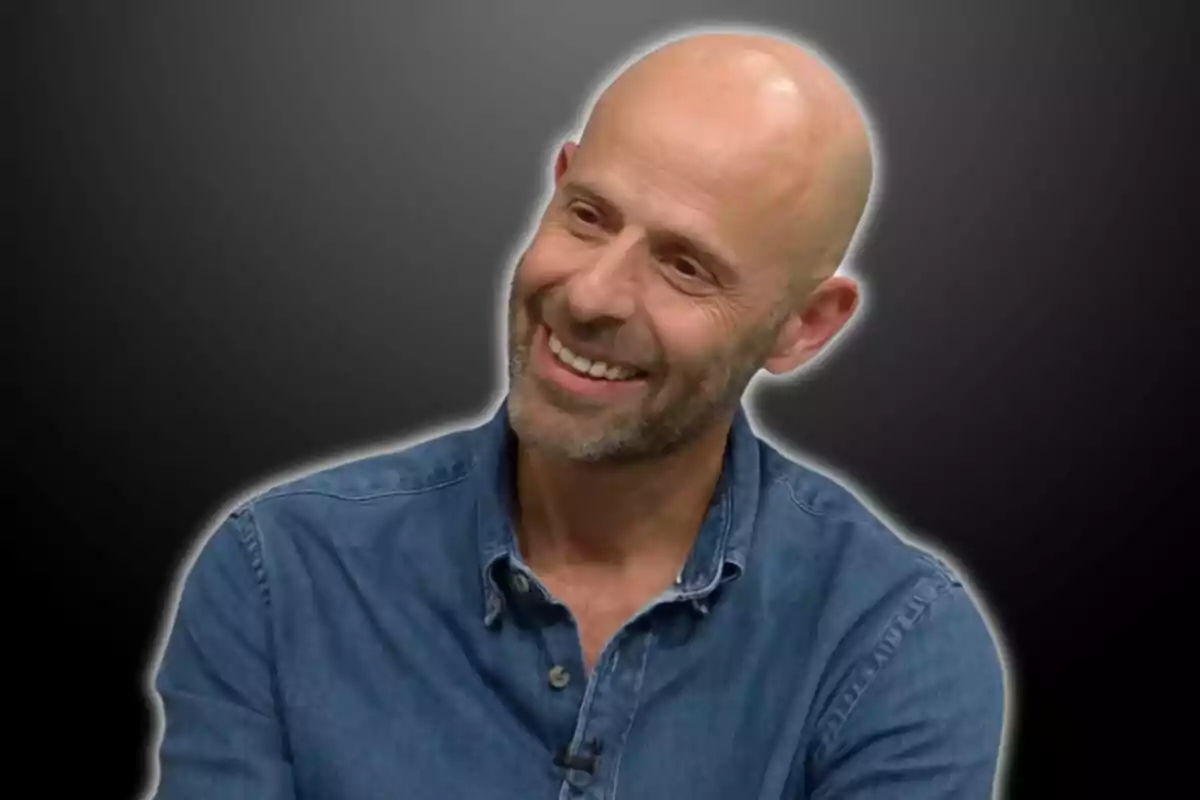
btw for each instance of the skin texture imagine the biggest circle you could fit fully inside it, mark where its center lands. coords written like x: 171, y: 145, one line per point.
x: 693, y: 234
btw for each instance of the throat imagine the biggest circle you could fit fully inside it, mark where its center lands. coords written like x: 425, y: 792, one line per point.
x: 600, y: 607
x: 607, y: 539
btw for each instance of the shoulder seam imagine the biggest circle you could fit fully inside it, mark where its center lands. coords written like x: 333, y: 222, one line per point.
x: 251, y: 540
x: 282, y: 493
x: 929, y: 590
x: 800, y: 504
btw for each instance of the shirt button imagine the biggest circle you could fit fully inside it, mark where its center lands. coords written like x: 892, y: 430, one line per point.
x: 578, y: 778
x: 520, y: 583
x: 559, y: 677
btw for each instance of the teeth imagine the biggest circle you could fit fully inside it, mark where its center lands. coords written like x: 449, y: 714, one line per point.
x: 584, y: 366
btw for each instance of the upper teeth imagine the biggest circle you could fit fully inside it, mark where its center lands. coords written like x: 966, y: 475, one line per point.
x: 594, y: 369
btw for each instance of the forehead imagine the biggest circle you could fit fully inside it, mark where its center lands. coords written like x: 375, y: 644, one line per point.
x: 696, y: 169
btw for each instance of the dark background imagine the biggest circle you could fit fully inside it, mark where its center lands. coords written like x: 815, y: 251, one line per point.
x: 250, y: 239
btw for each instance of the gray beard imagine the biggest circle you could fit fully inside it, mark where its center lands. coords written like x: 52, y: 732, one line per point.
x: 695, y: 409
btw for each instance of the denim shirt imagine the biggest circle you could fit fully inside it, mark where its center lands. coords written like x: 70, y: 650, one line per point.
x: 371, y: 631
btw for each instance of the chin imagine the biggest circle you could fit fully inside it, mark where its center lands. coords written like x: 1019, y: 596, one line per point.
x: 542, y: 425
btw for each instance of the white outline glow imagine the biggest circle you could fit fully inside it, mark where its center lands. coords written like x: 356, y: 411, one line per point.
x: 500, y: 361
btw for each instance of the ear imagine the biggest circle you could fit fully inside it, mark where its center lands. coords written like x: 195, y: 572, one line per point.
x: 808, y: 329
x: 564, y: 159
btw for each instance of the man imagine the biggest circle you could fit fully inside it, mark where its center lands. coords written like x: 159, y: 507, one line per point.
x: 613, y: 588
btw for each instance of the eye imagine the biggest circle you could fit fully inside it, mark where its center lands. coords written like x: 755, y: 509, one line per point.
x: 687, y: 273
x: 686, y: 267
x: 584, y: 213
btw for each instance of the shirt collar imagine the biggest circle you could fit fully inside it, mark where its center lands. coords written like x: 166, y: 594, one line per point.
x: 718, y: 554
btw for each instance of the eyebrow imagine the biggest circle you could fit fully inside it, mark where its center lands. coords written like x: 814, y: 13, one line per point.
x: 683, y: 240
x: 592, y: 195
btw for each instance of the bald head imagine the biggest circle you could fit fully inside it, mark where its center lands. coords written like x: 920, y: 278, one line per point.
x: 690, y: 242
x: 768, y: 114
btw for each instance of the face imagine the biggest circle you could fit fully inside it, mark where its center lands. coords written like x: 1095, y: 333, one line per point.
x: 654, y: 273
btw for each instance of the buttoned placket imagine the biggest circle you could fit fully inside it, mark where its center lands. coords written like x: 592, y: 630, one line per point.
x: 607, y: 707
x: 603, y: 703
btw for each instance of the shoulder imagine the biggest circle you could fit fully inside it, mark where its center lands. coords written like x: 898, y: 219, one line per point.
x: 811, y: 512
x: 869, y: 582
x: 419, y: 465
x: 359, y: 499
x: 872, y: 592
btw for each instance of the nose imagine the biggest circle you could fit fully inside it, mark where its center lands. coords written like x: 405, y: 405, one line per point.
x: 606, y: 287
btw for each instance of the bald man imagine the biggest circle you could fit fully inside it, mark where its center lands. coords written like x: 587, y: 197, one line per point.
x: 612, y: 588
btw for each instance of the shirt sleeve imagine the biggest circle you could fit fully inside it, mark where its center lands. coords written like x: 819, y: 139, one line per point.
x: 922, y: 716
x: 222, y: 735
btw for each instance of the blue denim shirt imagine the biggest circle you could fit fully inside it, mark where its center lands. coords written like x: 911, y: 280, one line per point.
x: 370, y: 631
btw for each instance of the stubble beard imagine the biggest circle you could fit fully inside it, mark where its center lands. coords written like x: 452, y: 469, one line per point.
x: 553, y: 420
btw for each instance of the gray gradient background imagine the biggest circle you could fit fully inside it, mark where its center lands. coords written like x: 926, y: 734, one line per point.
x: 248, y: 239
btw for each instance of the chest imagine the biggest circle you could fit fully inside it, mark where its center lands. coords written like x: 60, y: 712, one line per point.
x: 404, y: 688
x: 441, y: 712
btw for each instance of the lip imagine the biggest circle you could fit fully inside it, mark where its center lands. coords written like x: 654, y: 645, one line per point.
x: 549, y: 367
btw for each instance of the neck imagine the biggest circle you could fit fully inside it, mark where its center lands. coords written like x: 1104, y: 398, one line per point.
x: 612, y: 516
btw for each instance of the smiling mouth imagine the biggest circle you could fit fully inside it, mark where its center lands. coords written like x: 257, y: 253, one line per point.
x: 597, y: 370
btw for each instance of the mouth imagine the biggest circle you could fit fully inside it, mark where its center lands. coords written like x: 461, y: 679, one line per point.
x: 580, y: 375
x: 589, y: 368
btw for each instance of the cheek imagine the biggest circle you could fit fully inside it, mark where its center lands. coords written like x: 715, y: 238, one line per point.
x: 700, y: 323
x: 550, y: 259
x: 693, y: 338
